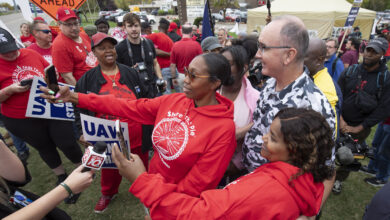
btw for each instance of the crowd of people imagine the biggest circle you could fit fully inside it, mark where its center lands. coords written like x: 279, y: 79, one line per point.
x: 206, y: 141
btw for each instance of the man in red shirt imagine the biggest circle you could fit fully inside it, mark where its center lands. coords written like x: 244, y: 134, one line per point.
x: 163, y: 45
x: 43, y: 36
x: 71, y: 51
x: 182, y: 54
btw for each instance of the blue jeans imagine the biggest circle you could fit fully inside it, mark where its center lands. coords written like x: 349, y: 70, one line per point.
x: 166, y: 73
x: 19, y: 143
x: 381, y: 145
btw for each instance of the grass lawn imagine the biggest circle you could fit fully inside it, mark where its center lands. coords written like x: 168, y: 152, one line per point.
x: 350, y: 204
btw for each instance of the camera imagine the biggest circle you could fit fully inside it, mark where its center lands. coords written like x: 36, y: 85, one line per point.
x: 349, y: 151
x: 161, y: 85
x: 143, y: 72
x: 255, y: 75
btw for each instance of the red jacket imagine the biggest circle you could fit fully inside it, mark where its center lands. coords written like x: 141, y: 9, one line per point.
x: 193, y: 146
x: 262, y: 194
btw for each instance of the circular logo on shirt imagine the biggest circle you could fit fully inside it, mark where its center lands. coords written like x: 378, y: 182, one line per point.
x: 25, y: 72
x: 170, y: 137
x: 90, y: 60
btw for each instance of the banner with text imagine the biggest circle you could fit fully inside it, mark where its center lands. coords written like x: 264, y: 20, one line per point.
x: 38, y: 107
x: 353, y: 13
x: 98, y: 129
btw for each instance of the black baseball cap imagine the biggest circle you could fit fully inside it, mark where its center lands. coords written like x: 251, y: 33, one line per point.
x: 7, y: 42
x: 379, y: 44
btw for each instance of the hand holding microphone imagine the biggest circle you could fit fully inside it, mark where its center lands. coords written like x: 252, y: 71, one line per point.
x: 94, y: 157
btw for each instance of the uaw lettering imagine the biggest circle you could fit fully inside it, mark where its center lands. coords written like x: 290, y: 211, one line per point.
x: 38, y: 107
x: 98, y: 129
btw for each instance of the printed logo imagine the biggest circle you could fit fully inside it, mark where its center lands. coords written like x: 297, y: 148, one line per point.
x: 90, y: 60
x: 170, y: 136
x: 67, y: 12
x: 25, y: 72
x: 2, y: 38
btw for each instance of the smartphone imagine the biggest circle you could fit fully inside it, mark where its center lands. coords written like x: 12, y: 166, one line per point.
x: 26, y: 82
x: 121, y: 138
x: 51, y: 78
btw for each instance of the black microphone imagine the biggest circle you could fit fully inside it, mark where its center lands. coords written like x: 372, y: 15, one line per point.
x: 94, y: 157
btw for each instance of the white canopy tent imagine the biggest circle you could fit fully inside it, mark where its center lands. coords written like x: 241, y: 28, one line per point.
x: 319, y: 16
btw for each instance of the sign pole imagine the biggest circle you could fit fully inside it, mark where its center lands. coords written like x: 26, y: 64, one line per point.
x: 350, y: 20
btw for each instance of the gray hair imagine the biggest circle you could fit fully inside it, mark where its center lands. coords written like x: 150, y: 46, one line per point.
x: 336, y: 42
x: 294, y: 34
x: 186, y: 29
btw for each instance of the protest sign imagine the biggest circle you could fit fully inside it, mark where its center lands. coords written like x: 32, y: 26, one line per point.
x: 353, y: 13
x: 97, y: 129
x: 51, y: 6
x: 38, y: 107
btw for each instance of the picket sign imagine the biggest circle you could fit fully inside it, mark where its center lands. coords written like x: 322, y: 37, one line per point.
x: 98, y: 129
x: 38, y: 107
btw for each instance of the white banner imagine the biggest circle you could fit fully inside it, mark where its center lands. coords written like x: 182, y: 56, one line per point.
x: 98, y: 129
x: 38, y: 107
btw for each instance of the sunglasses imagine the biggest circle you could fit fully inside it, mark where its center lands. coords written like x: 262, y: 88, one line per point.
x: 192, y: 75
x: 45, y: 31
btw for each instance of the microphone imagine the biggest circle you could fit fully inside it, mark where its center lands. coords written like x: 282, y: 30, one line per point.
x: 94, y: 157
x: 345, y: 155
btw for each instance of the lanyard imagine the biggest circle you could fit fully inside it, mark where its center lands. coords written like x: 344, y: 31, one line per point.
x: 131, y: 52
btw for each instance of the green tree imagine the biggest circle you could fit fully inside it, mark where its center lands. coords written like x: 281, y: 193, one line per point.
x: 223, y: 4
x: 6, y: 5
x: 376, y: 5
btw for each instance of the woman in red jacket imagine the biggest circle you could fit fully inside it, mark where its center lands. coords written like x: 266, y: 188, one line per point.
x: 297, y: 146
x: 194, y: 132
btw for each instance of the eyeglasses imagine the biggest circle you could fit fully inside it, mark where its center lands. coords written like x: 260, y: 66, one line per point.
x: 262, y: 47
x: 69, y: 25
x: 45, y: 31
x: 192, y: 75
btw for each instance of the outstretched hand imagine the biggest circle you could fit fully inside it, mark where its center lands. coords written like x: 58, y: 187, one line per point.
x: 130, y: 169
x: 63, y: 95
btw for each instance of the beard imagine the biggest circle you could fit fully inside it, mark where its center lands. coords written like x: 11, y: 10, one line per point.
x: 369, y: 64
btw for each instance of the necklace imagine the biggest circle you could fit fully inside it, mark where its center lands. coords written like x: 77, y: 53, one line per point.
x: 113, y: 80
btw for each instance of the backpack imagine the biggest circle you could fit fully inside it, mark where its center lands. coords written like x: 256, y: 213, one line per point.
x: 380, y: 81
x: 367, y: 103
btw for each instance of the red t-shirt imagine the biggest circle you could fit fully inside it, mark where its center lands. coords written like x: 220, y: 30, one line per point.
x: 30, y: 38
x: 28, y: 64
x: 46, y: 53
x: 70, y: 56
x: 183, y: 52
x: 121, y: 91
x: 387, y: 54
x: 162, y: 42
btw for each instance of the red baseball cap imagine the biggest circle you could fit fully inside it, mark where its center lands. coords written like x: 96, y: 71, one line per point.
x: 100, y: 37
x: 172, y: 26
x: 64, y: 14
x: 39, y: 19
x: 385, y: 31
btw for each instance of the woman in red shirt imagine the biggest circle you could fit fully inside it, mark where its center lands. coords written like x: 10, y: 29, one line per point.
x: 297, y: 145
x: 27, y: 38
x: 121, y: 81
x: 194, y: 132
